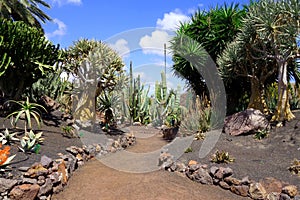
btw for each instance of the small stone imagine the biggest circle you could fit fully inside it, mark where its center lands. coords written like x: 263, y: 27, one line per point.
x: 290, y: 190
x: 257, y: 191
x: 7, y: 184
x: 63, y: 172
x: 23, y: 169
x: 24, y: 192
x: 46, y: 188
x: 271, y: 185
x: 232, y: 181
x: 36, y: 170
x: 297, y: 197
x: 241, y: 190
x: 29, y: 180
x: 79, y: 157
x: 72, y: 149
x: 273, y: 196
x: 46, y: 161
x: 192, y: 162
x: 213, y: 170
x: 202, y: 176
x: 58, y: 188
x: 245, y: 180
x: 224, y: 185
x: 223, y: 172
x: 284, y: 197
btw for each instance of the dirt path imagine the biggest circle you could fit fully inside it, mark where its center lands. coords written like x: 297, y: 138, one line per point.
x: 95, y: 181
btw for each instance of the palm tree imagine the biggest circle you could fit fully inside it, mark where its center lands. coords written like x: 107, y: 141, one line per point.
x: 212, y: 30
x: 27, y: 11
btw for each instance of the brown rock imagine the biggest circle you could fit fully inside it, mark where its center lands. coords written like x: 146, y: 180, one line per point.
x: 63, y: 171
x: 241, y: 190
x: 224, y: 185
x: 192, y: 162
x: 290, y: 190
x: 273, y: 196
x: 257, y: 191
x: 232, y: 181
x: 36, y: 170
x: 271, y: 185
x: 24, y: 192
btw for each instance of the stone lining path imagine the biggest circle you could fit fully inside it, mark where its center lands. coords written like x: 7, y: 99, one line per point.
x: 95, y: 181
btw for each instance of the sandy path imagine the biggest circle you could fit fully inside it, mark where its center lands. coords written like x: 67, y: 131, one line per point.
x: 95, y: 181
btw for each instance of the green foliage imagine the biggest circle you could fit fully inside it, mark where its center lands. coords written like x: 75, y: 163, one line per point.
x: 29, y: 12
x: 221, y: 157
x: 30, y: 53
x: 198, y: 117
x: 5, y: 60
x: 27, y: 109
x: 31, y: 142
x: 188, y: 150
x: 138, y: 101
x: 166, y: 108
x: 295, y: 167
x: 7, y: 138
x: 53, y: 86
x: 261, y: 134
x: 69, y: 131
x: 208, y: 32
x: 272, y: 96
x: 106, y: 103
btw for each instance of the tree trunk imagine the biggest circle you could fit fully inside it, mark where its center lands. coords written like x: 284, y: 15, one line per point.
x: 283, y: 111
x: 257, y: 100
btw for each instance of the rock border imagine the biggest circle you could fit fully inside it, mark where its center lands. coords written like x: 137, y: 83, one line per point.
x: 266, y: 189
x: 50, y: 176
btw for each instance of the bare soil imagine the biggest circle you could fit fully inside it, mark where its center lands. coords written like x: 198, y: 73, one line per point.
x: 269, y: 157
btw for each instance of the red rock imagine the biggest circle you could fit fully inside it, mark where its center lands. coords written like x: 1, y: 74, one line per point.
x: 271, y: 185
x: 24, y: 192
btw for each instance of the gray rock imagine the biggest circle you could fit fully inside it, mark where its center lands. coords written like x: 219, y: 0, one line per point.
x: 246, y: 121
x: 224, y: 185
x: 202, y: 176
x: 257, y: 191
x: 46, y: 188
x: 29, y: 180
x: 241, y: 190
x: 46, y: 161
x: 7, y: 184
x: 284, y: 197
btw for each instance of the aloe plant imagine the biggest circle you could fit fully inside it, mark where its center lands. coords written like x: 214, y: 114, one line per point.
x: 6, y: 137
x: 28, y: 109
x: 5, y: 159
x: 37, y: 137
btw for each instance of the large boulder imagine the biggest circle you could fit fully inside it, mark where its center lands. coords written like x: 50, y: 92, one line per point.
x: 245, y: 122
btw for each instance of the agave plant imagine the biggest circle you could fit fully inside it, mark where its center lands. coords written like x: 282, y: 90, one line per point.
x: 7, y: 137
x: 28, y: 109
x: 31, y: 142
x: 30, y: 136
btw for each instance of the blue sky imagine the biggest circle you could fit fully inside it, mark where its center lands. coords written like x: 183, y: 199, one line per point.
x: 137, y: 29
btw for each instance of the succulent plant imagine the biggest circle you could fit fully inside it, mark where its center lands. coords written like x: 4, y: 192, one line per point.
x: 7, y: 137
x: 221, y: 157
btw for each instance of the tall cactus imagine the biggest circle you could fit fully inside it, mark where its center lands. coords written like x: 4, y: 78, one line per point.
x: 137, y: 100
x: 5, y: 60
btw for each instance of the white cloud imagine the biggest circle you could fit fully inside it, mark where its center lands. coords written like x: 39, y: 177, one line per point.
x: 121, y: 46
x: 63, y: 2
x: 62, y: 29
x: 154, y: 44
x: 171, y: 20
